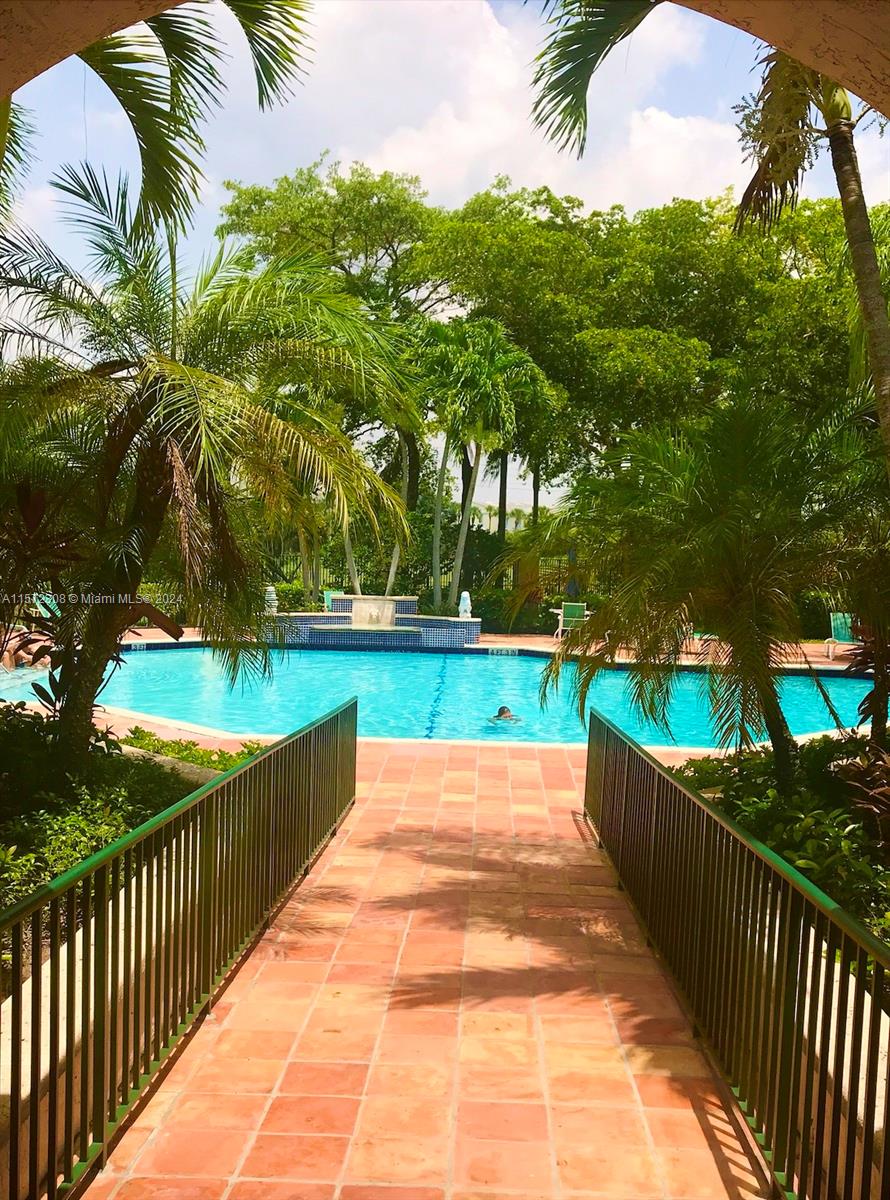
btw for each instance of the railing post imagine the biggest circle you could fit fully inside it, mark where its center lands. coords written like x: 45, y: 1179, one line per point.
x: 207, y: 894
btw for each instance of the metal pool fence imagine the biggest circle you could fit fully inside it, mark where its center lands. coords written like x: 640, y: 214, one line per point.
x: 788, y: 990
x: 110, y: 964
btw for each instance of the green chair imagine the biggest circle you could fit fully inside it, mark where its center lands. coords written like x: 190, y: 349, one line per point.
x: 842, y: 627
x: 328, y: 597
x: 571, y: 616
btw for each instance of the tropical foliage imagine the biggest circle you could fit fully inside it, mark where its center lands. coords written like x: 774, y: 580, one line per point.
x: 170, y: 411
x: 166, y: 75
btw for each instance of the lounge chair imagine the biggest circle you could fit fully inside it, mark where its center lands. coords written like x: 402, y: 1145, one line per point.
x: 571, y: 616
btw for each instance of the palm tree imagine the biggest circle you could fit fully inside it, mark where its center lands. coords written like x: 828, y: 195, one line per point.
x: 779, y: 127
x: 718, y: 528
x: 473, y: 371
x: 175, y: 411
x: 517, y: 516
x: 491, y: 512
x: 165, y: 74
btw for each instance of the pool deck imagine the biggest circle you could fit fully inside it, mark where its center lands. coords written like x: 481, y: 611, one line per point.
x: 457, y: 1004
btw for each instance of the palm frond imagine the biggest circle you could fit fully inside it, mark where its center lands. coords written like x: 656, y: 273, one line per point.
x: 134, y: 69
x: 779, y: 138
x: 583, y: 32
x: 276, y: 35
x: 16, y: 131
x: 191, y: 47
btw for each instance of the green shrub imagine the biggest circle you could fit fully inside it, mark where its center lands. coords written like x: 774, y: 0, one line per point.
x: 291, y: 597
x: 51, y: 820
x: 815, y: 622
x: 819, y: 829
x: 190, y: 752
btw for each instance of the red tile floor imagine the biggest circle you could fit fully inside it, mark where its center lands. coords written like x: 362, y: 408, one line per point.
x: 457, y: 1005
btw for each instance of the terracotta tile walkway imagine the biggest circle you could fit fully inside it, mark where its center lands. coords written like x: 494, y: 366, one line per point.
x: 457, y: 1005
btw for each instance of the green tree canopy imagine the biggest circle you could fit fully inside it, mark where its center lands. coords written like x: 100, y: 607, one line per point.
x: 368, y: 226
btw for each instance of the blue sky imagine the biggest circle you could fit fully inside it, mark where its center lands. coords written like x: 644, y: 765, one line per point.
x: 441, y: 88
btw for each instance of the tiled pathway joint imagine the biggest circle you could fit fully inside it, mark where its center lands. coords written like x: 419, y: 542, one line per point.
x: 457, y: 1005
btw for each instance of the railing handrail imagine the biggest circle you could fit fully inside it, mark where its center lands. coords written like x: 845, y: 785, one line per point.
x: 835, y: 912
x: 25, y: 907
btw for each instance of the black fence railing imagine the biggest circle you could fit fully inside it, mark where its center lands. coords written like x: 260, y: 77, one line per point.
x: 111, y: 963
x: 789, y: 991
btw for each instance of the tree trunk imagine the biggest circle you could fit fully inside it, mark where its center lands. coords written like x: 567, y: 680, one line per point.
x: 412, y: 495
x: 502, y: 496
x: 305, y: 562
x: 464, y: 528
x: 437, y: 528
x: 350, y: 564
x: 782, y: 742
x: 397, y: 548
x: 466, y: 471
x: 880, y: 695
x: 536, y: 493
x: 316, y: 571
x: 866, y: 271
x: 81, y: 677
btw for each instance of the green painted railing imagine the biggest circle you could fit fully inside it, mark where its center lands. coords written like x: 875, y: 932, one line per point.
x: 111, y: 963
x: 789, y: 991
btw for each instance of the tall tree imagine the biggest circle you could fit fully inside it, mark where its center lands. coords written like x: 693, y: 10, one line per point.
x: 474, y: 374
x: 369, y: 225
x: 186, y: 402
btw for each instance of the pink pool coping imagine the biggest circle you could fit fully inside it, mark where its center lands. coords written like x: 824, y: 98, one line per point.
x: 457, y: 1004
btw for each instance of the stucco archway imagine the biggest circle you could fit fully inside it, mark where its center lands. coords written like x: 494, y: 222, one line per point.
x: 847, y: 39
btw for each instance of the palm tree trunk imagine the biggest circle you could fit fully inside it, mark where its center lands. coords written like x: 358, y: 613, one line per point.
x: 502, y: 496
x: 412, y: 494
x: 350, y: 564
x: 80, y: 678
x: 316, y: 571
x: 464, y: 528
x: 536, y: 493
x: 466, y: 470
x: 880, y: 694
x: 437, y: 528
x: 866, y: 271
x: 782, y: 742
x: 397, y: 548
x: 305, y: 561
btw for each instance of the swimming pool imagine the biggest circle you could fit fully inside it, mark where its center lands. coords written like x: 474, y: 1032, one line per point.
x: 404, y: 695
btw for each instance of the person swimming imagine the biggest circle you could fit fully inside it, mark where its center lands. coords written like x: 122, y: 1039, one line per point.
x: 503, y: 714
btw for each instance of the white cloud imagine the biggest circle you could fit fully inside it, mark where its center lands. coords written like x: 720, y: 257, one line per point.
x: 665, y: 156
x: 479, y: 79
x: 873, y: 152
x: 37, y: 208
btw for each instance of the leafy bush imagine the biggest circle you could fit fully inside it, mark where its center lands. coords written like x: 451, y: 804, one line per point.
x: 61, y: 820
x: 821, y: 830
x: 190, y: 752
x: 815, y: 622
x: 291, y: 597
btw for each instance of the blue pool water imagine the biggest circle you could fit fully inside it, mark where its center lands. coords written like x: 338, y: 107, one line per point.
x: 420, y: 696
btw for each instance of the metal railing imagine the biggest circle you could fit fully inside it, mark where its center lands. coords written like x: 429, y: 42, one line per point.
x: 111, y: 963
x: 789, y: 991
